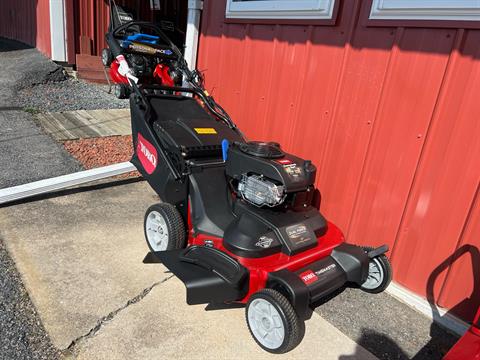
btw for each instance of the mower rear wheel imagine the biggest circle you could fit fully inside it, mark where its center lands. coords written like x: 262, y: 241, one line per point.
x: 107, y: 57
x: 164, y: 228
x: 379, y: 274
x: 122, y: 91
x: 273, y: 322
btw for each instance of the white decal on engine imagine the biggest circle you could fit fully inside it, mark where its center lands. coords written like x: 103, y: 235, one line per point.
x: 296, y: 231
x: 264, y: 242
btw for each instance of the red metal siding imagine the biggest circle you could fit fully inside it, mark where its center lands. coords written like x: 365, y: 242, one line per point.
x: 27, y: 21
x: 390, y: 117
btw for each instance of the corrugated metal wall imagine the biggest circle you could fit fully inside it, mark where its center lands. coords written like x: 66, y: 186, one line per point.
x: 390, y: 117
x: 92, y: 22
x: 27, y: 21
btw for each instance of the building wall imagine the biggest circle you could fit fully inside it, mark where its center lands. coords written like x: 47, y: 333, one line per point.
x: 390, y: 117
x: 27, y: 21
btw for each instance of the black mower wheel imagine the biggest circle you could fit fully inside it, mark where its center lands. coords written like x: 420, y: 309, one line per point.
x: 122, y: 91
x: 273, y: 322
x: 379, y: 274
x: 107, y: 57
x: 164, y: 228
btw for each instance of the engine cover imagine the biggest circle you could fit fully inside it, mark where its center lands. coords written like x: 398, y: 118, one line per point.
x: 268, y: 161
x: 256, y: 232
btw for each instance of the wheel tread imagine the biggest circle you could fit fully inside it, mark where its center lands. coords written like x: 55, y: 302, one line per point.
x: 175, y: 224
x: 387, y: 268
x: 295, y: 327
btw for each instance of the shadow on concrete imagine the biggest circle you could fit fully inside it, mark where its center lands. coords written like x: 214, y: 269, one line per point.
x: 372, y: 339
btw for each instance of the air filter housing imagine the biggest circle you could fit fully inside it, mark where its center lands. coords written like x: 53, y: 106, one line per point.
x: 260, y: 191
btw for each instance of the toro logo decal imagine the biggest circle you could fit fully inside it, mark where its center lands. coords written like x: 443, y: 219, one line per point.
x: 147, y: 154
x: 308, y: 277
x: 284, y: 162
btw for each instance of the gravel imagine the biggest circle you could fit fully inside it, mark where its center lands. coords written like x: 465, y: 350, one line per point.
x: 22, y: 335
x: 68, y: 95
x: 386, y: 327
x: 33, y: 82
x: 96, y: 152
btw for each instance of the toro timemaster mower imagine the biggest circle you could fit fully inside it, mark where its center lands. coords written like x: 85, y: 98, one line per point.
x: 239, y: 221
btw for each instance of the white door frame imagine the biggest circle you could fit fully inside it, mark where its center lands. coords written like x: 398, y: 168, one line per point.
x: 195, y: 8
x: 58, y: 31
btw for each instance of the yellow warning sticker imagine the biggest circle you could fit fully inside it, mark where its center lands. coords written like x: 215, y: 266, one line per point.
x: 205, y: 131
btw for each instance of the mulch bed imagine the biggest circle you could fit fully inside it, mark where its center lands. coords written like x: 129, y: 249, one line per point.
x: 102, y: 151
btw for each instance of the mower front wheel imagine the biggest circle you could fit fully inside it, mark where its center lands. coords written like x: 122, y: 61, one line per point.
x: 273, y: 322
x: 122, y: 91
x: 379, y: 274
x: 164, y: 228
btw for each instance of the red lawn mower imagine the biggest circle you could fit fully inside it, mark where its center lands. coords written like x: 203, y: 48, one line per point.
x: 140, y: 49
x: 468, y: 347
x: 239, y: 221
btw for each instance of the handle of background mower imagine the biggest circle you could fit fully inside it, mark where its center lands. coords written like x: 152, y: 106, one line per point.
x: 113, y: 44
x: 146, y: 24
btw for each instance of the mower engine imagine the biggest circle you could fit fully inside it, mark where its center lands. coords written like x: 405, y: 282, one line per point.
x: 141, y: 65
x: 267, y: 176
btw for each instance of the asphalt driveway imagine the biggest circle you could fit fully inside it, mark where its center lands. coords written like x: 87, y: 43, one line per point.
x: 26, y: 153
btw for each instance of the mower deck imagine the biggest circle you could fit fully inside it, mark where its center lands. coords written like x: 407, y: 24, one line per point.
x: 213, y: 275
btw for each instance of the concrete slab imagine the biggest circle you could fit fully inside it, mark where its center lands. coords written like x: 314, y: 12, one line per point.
x: 162, y: 326
x: 81, y: 124
x: 80, y: 255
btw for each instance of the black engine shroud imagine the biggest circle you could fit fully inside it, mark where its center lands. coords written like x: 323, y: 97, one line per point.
x: 293, y: 173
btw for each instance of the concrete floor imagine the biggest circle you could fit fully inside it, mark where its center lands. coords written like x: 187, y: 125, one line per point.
x: 80, y: 257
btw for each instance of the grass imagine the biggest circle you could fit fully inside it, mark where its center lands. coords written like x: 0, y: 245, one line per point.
x: 31, y: 110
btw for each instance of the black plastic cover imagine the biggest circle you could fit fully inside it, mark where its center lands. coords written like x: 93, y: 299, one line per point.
x: 353, y: 260
x: 294, y: 173
x: 248, y: 237
x: 322, y: 278
x: 296, y: 291
x: 304, y: 287
x: 209, y: 275
x: 210, y: 206
x: 259, y: 232
x: 186, y: 128
x: 162, y: 179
